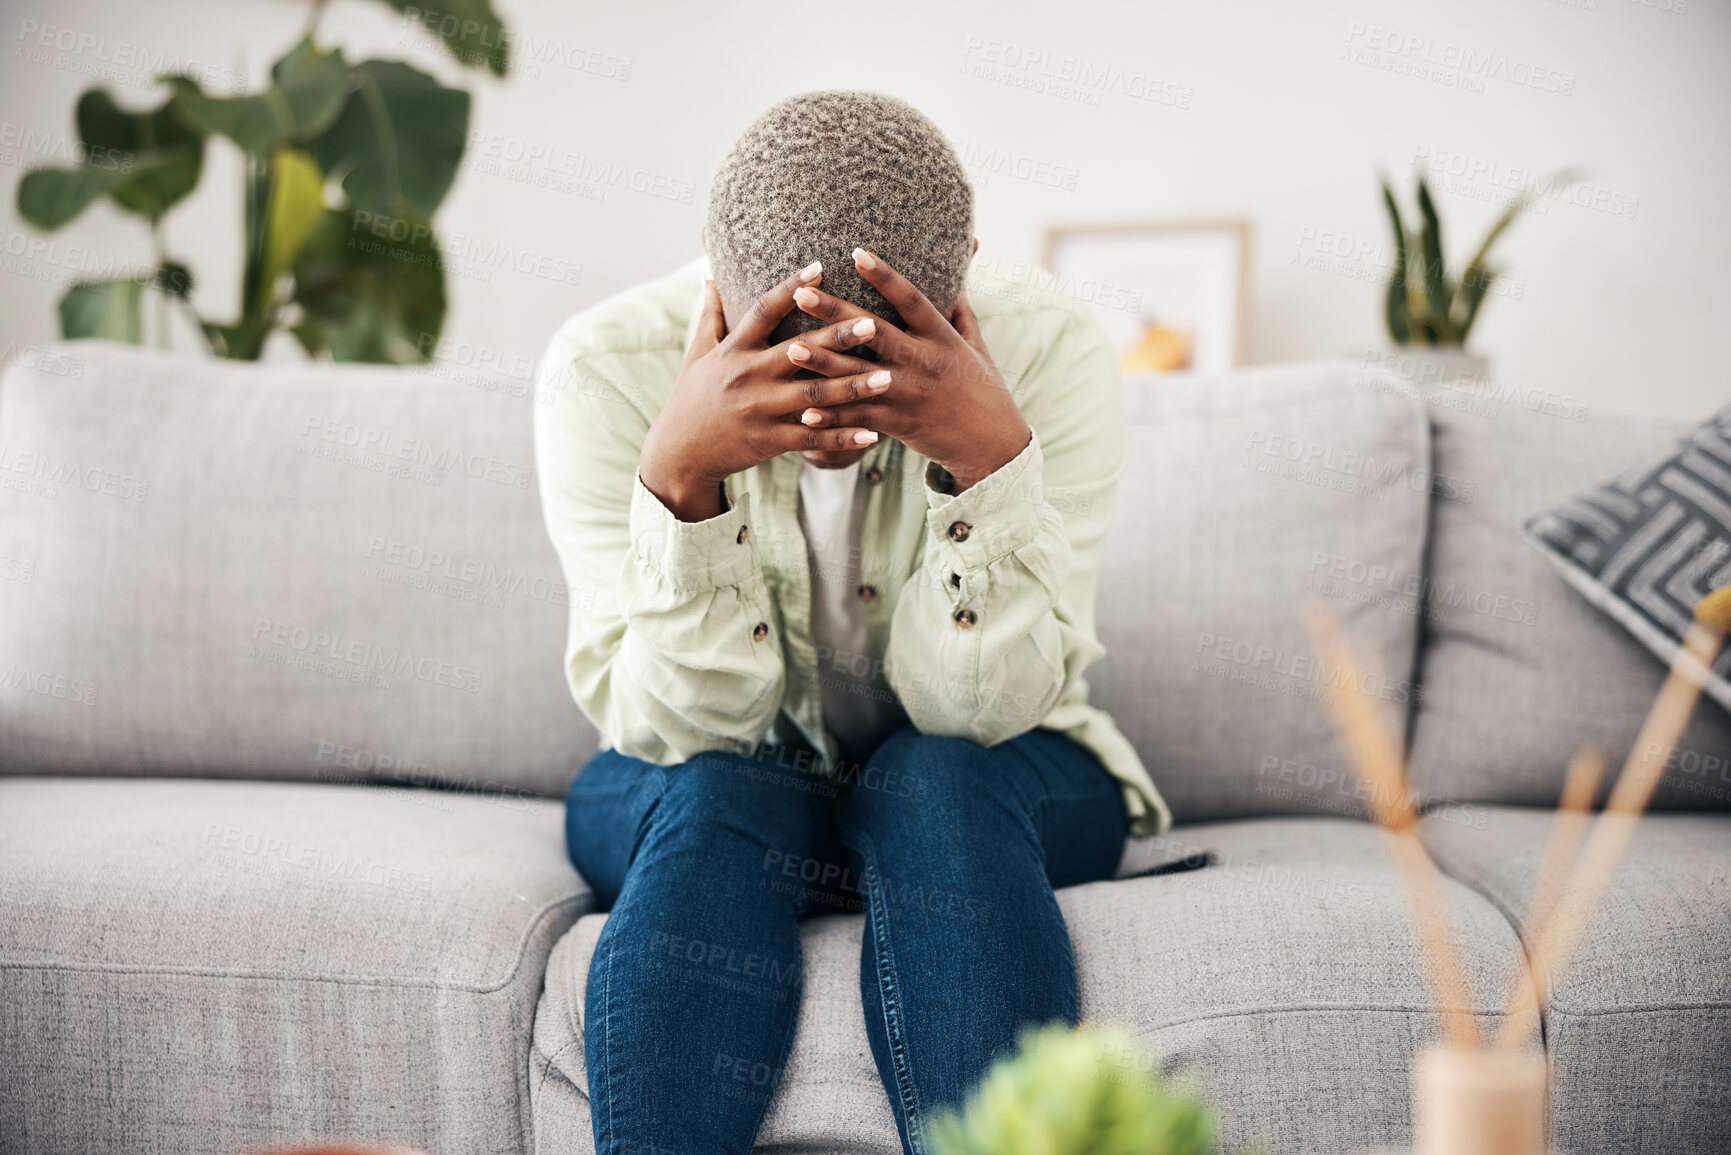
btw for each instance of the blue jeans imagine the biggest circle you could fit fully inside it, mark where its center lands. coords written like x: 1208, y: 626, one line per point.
x: 950, y: 849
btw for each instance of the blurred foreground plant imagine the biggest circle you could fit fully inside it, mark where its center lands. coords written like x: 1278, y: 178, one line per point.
x: 345, y: 163
x: 1075, y: 1091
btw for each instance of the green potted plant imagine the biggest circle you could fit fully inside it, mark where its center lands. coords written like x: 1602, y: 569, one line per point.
x: 1075, y: 1091
x: 1429, y: 309
x: 345, y: 164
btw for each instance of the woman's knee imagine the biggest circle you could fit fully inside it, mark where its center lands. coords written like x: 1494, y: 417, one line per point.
x: 917, y: 783
x: 724, y: 785
x: 727, y: 804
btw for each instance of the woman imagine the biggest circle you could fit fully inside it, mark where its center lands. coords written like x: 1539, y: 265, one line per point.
x: 843, y: 576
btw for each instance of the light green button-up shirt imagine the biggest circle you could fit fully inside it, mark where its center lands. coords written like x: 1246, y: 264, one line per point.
x: 979, y: 606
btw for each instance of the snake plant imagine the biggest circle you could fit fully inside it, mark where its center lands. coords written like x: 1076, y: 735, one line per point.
x: 1425, y: 304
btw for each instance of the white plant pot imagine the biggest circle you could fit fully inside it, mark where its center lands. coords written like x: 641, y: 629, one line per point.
x: 1424, y: 366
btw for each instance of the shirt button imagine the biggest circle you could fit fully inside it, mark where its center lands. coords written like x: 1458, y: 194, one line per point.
x: 965, y: 619
x: 744, y: 532
x: 760, y: 631
x: 867, y: 593
x: 874, y: 475
x: 959, y: 530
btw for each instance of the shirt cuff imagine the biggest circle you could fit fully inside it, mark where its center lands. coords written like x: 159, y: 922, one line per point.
x: 997, y: 515
x: 691, y: 554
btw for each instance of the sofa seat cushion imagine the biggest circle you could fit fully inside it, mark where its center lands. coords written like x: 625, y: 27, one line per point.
x: 1286, y: 979
x: 198, y: 966
x: 1639, y: 1025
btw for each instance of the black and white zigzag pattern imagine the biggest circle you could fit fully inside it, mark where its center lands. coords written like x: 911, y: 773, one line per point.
x: 1648, y: 546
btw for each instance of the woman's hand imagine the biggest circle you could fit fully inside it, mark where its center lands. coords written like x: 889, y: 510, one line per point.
x: 737, y: 403
x: 946, y: 400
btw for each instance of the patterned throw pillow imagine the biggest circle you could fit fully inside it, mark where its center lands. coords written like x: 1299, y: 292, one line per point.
x: 1648, y: 546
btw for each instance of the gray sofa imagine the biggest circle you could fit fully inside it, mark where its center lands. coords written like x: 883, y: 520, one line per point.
x: 283, y: 735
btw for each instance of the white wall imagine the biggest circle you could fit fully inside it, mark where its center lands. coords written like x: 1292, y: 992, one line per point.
x: 1285, y: 125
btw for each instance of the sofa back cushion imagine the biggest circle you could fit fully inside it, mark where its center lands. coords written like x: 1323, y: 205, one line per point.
x: 1243, y: 496
x: 1518, y: 668
x: 284, y: 571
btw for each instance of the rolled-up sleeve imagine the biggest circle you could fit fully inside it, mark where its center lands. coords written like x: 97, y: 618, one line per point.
x: 701, y: 654
x: 976, y: 649
x: 997, y: 626
x: 678, y: 650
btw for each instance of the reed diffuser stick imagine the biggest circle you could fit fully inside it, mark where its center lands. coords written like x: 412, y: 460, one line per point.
x: 1613, y: 830
x: 1574, y: 809
x: 1382, y: 768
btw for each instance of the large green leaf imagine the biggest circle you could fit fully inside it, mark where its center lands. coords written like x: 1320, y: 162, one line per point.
x: 106, y: 309
x: 306, y: 97
x: 166, y: 154
x: 398, y: 141
x: 366, y: 297
x: 49, y: 197
x: 296, y: 200
x: 471, y: 30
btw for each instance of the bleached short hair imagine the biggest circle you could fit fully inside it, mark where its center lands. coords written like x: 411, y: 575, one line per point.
x: 822, y: 172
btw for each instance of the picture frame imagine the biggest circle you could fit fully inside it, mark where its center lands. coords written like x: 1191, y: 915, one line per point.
x: 1171, y: 295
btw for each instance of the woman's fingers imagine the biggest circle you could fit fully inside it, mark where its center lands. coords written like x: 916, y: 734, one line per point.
x: 850, y: 325
x: 817, y: 392
x: 920, y: 314
x: 711, y: 324
x: 864, y: 414
x: 767, y: 311
x: 793, y: 437
x: 843, y: 318
x: 805, y: 352
x: 826, y: 306
x: 967, y: 324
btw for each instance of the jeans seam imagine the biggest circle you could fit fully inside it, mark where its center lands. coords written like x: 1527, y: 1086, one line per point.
x: 659, y: 779
x: 605, y: 1141
x: 889, y: 994
x: 1073, y: 1007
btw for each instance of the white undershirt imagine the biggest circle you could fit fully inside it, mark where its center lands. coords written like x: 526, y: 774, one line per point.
x: 832, y: 512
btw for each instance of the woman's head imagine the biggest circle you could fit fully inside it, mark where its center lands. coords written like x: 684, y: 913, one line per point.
x: 822, y: 172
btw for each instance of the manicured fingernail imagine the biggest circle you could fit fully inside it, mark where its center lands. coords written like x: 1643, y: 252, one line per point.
x: 811, y: 416
x: 799, y: 352
x: 864, y: 327
x: 879, y: 380
x: 811, y: 272
x: 804, y: 298
x: 864, y: 437
x: 864, y: 260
